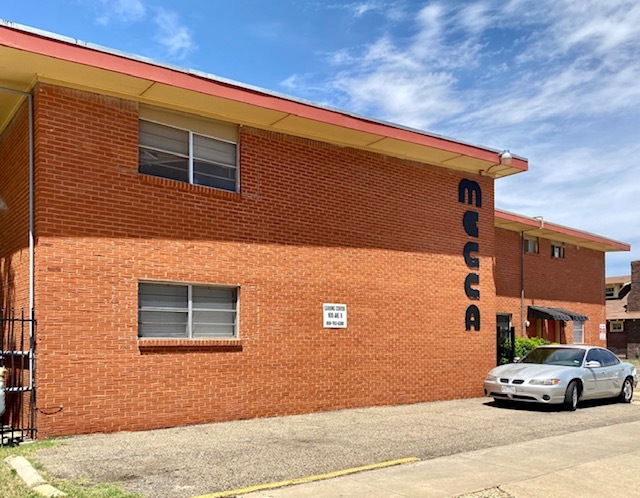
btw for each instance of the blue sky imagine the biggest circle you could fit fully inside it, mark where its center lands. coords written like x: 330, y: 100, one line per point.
x: 556, y: 81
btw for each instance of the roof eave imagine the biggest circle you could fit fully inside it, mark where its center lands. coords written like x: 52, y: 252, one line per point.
x: 31, y: 55
x: 559, y: 233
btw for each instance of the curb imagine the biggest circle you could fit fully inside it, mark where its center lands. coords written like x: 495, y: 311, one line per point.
x: 307, y: 480
x: 31, y: 477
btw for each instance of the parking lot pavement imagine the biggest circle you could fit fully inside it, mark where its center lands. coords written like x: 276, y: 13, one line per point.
x: 196, y: 460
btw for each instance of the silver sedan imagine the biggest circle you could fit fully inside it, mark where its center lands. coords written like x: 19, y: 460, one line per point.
x: 561, y: 374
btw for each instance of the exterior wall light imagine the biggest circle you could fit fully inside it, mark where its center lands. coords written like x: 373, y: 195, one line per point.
x: 505, y: 158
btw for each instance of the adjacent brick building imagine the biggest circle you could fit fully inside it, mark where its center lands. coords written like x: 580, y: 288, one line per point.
x: 547, y: 278
x: 199, y: 251
x: 623, y: 313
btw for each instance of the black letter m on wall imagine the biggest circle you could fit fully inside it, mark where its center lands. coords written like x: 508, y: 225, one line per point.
x: 466, y: 191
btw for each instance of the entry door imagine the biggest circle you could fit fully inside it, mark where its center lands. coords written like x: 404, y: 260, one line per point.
x: 503, y: 321
x: 505, y: 339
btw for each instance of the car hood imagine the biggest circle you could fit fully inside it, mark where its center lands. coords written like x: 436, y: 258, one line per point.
x: 529, y: 370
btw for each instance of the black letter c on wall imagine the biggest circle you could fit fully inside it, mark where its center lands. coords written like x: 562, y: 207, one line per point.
x: 472, y: 279
x: 470, y: 223
x: 471, y: 261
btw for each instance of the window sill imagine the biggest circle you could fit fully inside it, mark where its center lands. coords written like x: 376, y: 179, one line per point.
x: 189, y: 187
x: 171, y: 345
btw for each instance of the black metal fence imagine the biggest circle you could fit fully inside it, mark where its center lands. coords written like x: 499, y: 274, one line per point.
x: 17, y: 341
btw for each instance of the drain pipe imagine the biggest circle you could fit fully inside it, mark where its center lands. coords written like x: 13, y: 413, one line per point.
x: 540, y: 219
x: 31, y: 206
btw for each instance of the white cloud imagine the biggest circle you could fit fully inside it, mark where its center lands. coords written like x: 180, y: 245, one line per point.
x: 393, y: 11
x: 599, y: 27
x: 121, y: 10
x: 476, y: 17
x: 173, y: 35
x: 408, y: 80
x: 415, y: 102
x: 360, y: 9
x: 554, y: 70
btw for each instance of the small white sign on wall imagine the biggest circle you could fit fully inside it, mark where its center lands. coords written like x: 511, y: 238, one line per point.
x: 334, y: 316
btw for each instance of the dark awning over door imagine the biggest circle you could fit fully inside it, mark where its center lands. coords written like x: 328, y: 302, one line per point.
x: 548, y: 313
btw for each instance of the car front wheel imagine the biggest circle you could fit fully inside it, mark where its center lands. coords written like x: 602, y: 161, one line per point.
x: 571, y: 396
x: 626, y: 393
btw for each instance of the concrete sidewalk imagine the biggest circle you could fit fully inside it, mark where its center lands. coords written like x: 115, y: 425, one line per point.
x: 602, y: 461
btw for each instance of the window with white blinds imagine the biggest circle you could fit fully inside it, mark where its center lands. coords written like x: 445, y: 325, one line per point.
x: 175, y: 311
x: 187, y: 156
x: 578, y: 332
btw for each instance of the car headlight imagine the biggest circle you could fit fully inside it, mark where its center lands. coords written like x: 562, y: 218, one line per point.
x: 544, y: 382
x: 492, y: 378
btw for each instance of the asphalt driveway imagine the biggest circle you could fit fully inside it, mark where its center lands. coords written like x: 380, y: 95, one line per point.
x: 187, y: 461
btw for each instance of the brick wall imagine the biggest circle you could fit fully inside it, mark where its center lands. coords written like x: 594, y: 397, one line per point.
x: 575, y: 282
x: 617, y: 341
x: 633, y: 298
x: 314, y: 223
x: 632, y: 331
x: 14, y: 219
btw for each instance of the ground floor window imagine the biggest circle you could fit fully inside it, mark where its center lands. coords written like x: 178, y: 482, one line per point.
x: 179, y: 311
x: 616, y: 326
x: 578, y: 332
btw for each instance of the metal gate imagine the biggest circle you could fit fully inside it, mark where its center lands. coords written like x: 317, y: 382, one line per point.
x: 17, y: 341
x: 505, y: 345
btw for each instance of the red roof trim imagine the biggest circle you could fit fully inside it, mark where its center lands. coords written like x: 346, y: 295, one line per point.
x: 66, y: 51
x: 507, y: 216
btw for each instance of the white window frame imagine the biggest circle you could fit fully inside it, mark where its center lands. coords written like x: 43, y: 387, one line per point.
x: 578, y: 332
x: 610, y: 291
x: 190, y: 309
x: 531, y: 243
x: 616, y: 326
x: 560, y: 247
x: 191, y: 135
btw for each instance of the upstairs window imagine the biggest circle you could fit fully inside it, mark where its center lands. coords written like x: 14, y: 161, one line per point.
x: 188, y: 149
x: 557, y: 250
x: 173, y: 311
x: 610, y: 292
x: 530, y: 245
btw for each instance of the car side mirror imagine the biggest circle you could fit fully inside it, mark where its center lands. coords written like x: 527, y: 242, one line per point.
x: 593, y: 364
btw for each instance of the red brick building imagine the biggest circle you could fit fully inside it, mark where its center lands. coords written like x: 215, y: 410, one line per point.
x: 195, y: 250
x: 547, y: 278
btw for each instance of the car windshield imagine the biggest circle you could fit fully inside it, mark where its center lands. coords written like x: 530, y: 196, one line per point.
x: 567, y: 357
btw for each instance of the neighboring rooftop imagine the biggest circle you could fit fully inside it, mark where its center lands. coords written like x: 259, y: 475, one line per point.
x: 30, y: 56
x: 618, y: 280
x: 617, y: 308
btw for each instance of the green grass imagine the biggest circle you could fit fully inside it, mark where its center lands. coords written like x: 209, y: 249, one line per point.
x: 634, y: 361
x: 13, y: 487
